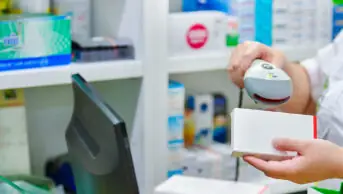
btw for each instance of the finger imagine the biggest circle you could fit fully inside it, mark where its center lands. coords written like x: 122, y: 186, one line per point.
x: 255, y: 51
x: 279, y: 61
x: 294, y: 145
x: 243, y: 55
x: 234, y: 59
x: 272, y: 168
x: 234, y: 69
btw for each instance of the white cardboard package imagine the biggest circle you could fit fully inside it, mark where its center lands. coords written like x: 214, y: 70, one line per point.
x: 191, y: 185
x: 197, y: 33
x: 312, y: 191
x: 252, y: 131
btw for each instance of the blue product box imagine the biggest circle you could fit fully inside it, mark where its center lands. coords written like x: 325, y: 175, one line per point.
x: 176, y: 101
x: 264, y: 21
x: 225, y: 6
x: 34, y: 41
x: 337, y: 20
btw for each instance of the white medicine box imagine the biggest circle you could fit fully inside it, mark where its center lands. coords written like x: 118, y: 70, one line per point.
x: 192, y: 185
x: 253, y: 131
x: 197, y: 33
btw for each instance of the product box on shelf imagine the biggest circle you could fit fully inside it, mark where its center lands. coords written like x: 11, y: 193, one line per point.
x: 198, y: 129
x: 337, y: 20
x: 213, y: 162
x: 200, y: 163
x: 220, y: 120
x: 102, y: 49
x: 81, y: 15
x: 34, y: 40
x: 253, y: 131
x: 196, y: 33
x: 225, y: 6
x: 176, y: 101
x: 228, y: 162
x: 194, y: 185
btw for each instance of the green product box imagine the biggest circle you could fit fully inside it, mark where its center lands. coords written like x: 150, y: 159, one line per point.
x: 34, y: 41
x: 316, y: 190
x: 337, y: 1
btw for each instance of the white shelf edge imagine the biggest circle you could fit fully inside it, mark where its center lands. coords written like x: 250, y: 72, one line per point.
x: 282, y: 187
x: 219, y: 61
x: 198, y: 63
x: 60, y: 75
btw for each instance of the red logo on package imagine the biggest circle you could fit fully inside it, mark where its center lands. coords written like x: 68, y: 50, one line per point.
x: 197, y: 36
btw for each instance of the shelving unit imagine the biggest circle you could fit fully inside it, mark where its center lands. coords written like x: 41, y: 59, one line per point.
x: 219, y: 61
x: 100, y: 71
x: 154, y: 67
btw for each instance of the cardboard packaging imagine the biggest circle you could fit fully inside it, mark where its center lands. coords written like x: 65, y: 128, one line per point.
x: 191, y: 185
x: 253, y: 131
x: 214, y: 162
x: 34, y: 41
x: 197, y: 33
x: 176, y: 100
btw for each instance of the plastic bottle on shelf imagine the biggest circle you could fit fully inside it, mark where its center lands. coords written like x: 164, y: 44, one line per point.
x: 31, y: 6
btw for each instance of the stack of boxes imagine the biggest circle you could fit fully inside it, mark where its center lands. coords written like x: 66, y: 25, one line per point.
x: 214, y: 162
x: 176, y: 97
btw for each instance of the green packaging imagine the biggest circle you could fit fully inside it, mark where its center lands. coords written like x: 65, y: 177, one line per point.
x: 34, y: 40
x: 317, y: 190
x: 339, y: 2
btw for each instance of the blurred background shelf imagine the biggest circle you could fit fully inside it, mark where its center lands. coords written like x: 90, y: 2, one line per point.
x: 99, y: 71
x: 196, y: 63
x: 219, y: 61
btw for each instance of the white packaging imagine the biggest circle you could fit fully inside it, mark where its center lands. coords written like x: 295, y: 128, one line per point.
x: 253, y: 131
x: 192, y: 185
x: 227, y: 162
x: 176, y: 101
x: 215, y: 162
x: 32, y: 6
x: 189, y: 158
x: 14, y: 141
x: 81, y: 19
x: 197, y: 33
x: 201, y: 163
x: 208, y: 165
x: 203, y: 118
x: 313, y: 191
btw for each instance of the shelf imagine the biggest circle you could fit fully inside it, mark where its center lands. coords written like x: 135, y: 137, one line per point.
x: 99, y: 71
x: 198, y: 63
x: 213, y: 61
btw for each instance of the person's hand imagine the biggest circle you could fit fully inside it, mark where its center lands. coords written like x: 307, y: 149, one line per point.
x: 243, y: 56
x: 317, y: 160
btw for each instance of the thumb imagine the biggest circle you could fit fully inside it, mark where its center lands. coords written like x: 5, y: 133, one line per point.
x: 292, y: 145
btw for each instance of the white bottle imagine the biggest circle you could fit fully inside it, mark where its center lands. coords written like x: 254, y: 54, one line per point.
x: 32, y: 6
x: 81, y: 10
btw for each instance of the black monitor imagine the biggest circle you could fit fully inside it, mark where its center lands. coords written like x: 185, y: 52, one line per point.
x: 98, y: 145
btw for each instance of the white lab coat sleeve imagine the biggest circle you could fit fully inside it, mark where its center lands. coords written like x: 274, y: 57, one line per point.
x: 329, y: 116
x: 316, y: 77
x: 326, y: 65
